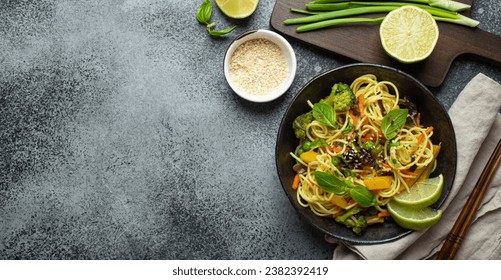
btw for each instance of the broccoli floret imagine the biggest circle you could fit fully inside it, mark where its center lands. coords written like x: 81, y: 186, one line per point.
x: 349, y: 213
x: 300, y: 123
x: 349, y: 219
x: 341, y: 97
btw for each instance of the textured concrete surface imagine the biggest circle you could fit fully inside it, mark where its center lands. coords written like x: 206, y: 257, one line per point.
x: 120, y: 139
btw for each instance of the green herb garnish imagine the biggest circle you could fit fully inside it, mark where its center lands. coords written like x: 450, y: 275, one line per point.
x: 203, y: 17
x: 363, y: 196
x: 330, y: 183
x: 217, y: 33
x: 325, y: 114
x: 204, y: 12
x: 393, y: 122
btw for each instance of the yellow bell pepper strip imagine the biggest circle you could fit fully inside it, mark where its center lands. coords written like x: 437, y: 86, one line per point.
x: 339, y: 201
x: 378, y: 183
x: 309, y: 156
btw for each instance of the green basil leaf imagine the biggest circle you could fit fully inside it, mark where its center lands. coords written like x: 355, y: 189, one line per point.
x: 324, y: 114
x: 393, y: 122
x: 205, y: 12
x: 217, y: 33
x: 363, y: 196
x: 330, y: 183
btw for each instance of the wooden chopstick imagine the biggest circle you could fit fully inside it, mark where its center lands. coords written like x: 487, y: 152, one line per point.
x: 458, y: 232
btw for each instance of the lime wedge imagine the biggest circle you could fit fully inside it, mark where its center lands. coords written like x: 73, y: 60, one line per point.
x: 423, y: 193
x: 237, y: 9
x: 409, y: 34
x: 413, y: 218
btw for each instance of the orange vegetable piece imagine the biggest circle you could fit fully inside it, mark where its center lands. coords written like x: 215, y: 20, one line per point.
x: 353, y: 118
x: 378, y: 182
x: 335, y: 149
x: 383, y: 214
x: 309, y: 156
x: 339, y: 201
x: 295, y: 182
x: 361, y: 105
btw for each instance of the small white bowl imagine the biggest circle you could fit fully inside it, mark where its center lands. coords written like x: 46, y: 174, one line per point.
x: 287, y: 51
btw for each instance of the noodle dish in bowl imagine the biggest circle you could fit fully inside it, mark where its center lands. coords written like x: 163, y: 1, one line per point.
x: 366, y: 154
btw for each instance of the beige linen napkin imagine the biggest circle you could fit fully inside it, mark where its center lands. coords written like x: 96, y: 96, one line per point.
x: 477, y: 123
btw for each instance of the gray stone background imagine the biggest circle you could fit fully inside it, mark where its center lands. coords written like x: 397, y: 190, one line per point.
x: 120, y: 138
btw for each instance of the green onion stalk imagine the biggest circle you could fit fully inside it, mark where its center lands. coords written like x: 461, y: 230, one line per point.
x: 335, y: 22
x: 327, y: 13
x: 449, y: 5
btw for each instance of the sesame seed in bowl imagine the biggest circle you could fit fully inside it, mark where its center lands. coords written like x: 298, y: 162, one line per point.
x: 260, y: 65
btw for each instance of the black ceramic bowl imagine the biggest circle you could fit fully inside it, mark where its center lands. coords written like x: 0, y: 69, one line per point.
x: 432, y: 113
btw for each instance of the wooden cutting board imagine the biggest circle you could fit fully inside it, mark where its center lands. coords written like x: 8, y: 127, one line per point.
x: 360, y: 42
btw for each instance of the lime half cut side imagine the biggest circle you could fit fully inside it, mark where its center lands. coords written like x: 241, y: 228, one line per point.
x: 413, y: 218
x: 237, y: 9
x: 423, y: 193
x: 409, y: 34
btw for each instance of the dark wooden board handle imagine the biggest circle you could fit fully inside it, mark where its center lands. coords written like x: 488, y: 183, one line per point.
x: 482, y: 44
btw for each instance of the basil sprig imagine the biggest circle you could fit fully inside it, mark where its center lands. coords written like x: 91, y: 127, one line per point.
x: 217, y: 33
x: 325, y: 114
x: 204, y: 12
x: 332, y: 184
x: 363, y: 196
x: 203, y: 16
x: 393, y: 122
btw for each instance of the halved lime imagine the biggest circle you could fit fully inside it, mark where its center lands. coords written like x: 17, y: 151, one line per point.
x: 237, y: 9
x: 413, y: 218
x: 423, y: 193
x: 409, y: 34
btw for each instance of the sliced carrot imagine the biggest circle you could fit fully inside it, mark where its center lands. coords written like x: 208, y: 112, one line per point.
x: 421, y: 137
x: 295, y: 182
x: 353, y: 118
x: 383, y: 214
x: 385, y: 165
x: 335, y: 149
x: 369, y: 136
x: 361, y: 105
